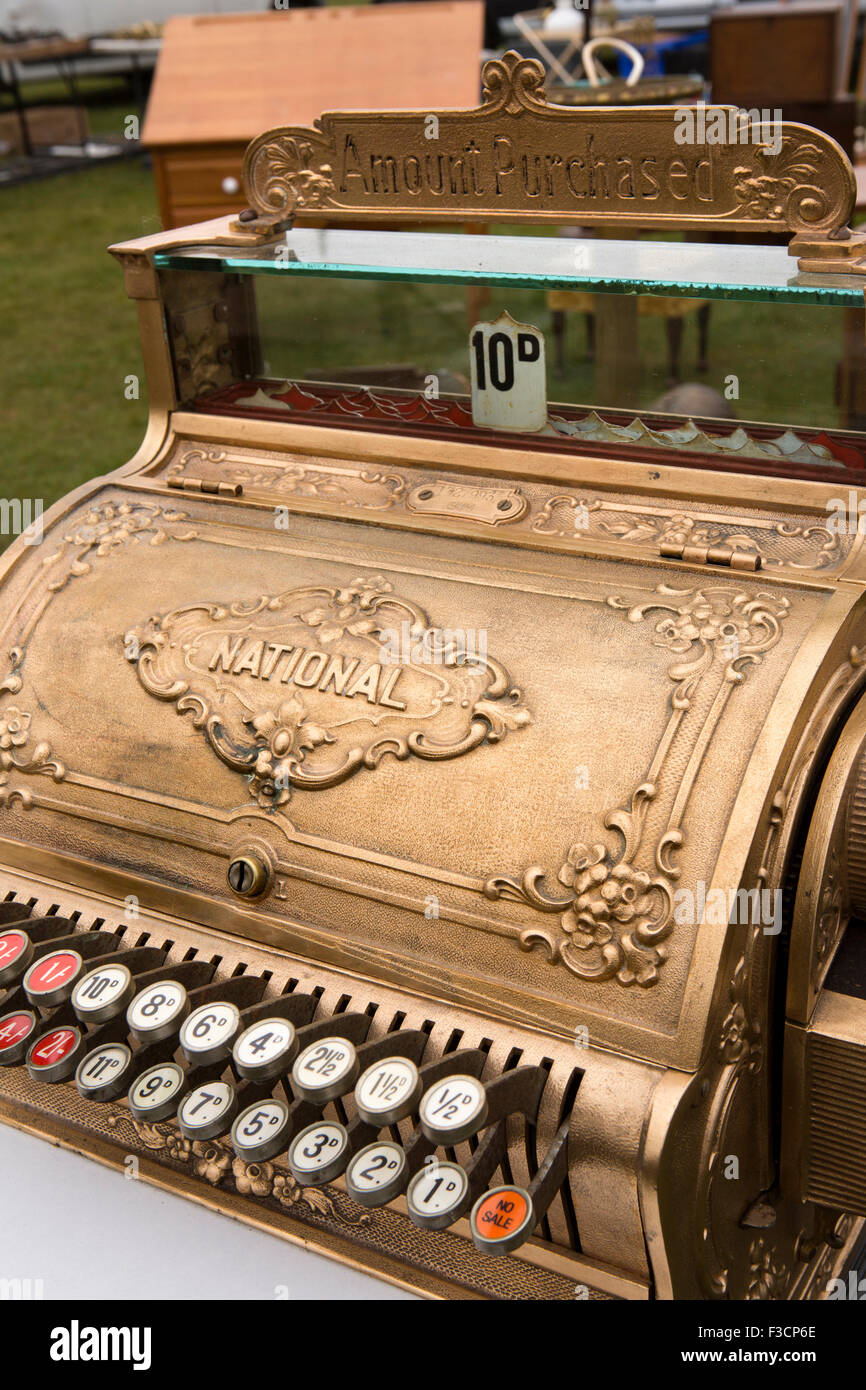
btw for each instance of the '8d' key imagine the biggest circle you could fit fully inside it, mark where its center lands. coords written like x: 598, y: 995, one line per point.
x: 157, y: 1011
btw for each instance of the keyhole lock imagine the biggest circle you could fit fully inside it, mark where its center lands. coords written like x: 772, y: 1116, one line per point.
x: 247, y: 876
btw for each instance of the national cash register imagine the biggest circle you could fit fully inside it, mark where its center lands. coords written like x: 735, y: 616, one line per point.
x: 434, y: 791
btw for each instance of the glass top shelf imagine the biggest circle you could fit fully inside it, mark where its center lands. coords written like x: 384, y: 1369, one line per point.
x: 601, y: 266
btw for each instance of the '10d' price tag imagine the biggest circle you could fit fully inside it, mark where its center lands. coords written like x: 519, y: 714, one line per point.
x: 509, y: 375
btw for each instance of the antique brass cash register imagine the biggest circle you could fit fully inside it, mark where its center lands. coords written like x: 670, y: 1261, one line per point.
x: 434, y: 790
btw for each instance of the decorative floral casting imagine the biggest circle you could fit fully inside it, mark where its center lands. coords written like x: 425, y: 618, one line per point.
x: 108, y: 527
x: 216, y: 1164
x: 789, y: 188
x: 285, y: 735
x: 768, y: 1273
x: 350, y: 610
x: 566, y: 515
x: 830, y: 908
x: 274, y: 744
x: 365, y: 489
x: 290, y: 181
x: 619, y: 911
x: 101, y: 531
x: 14, y: 736
x: 740, y: 1042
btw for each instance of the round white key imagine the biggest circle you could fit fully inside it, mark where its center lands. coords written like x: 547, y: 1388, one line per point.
x: 55, y: 1055
x: 453, y: 1110
x: 325, y: 1069
x: 16, y: 1035
x: 51, y: 979
x: 261, y: 1130
x: 157, y: 1092
x: 377, y: 1174
x: 265, y: 1049
x: 209, y: 1031
x: 103, y: 993
x: 104, y: 1073
x: 157, y: 1012
x: 208, y: 1111
x: 435, y: 1195
x: 16, y: 953
x: 319, y: 1153
x: 388, y: 1091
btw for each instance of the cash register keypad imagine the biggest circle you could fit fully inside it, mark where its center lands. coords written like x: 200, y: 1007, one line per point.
x: 274, y: 1081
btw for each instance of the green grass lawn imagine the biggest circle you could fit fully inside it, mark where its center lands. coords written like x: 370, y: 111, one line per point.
x: 70, y: 335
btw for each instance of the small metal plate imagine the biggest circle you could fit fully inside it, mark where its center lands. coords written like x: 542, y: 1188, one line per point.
x: 467, y: 502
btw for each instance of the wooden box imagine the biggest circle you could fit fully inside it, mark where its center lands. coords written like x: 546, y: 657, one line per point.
x: 221, y: 79
x: 766, y: 55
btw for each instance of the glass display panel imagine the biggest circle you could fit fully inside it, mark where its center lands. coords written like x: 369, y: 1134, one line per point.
x: 469, y: 349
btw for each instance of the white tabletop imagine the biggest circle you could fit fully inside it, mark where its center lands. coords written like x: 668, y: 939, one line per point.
x: 150, y: 1244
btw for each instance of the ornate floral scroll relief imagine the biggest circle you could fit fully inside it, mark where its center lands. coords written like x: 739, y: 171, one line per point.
x: 520, y: 156
x: 215, y: 1163
x: 99, y: 532
x: 619, y: 908
x: 366, y: 489
x: 305, y: 688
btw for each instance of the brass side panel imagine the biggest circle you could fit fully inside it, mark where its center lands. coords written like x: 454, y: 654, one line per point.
x: 835, y: 1085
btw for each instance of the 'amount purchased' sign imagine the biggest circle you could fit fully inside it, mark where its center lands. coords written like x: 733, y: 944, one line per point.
x: 509, y: 377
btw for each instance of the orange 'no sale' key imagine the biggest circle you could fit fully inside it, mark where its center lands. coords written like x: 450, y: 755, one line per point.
x: 501, y: 1213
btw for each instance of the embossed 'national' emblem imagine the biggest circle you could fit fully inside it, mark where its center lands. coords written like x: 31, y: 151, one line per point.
x: 304, y: 688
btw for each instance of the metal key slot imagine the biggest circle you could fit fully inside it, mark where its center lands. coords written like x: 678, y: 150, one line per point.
x: 504, y: 1217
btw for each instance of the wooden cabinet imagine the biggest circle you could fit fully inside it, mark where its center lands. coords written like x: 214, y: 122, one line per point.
x: 775, y: 54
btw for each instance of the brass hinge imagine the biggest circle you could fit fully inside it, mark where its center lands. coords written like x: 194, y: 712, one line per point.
x: 203, y: 485
x: 711, y: 555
